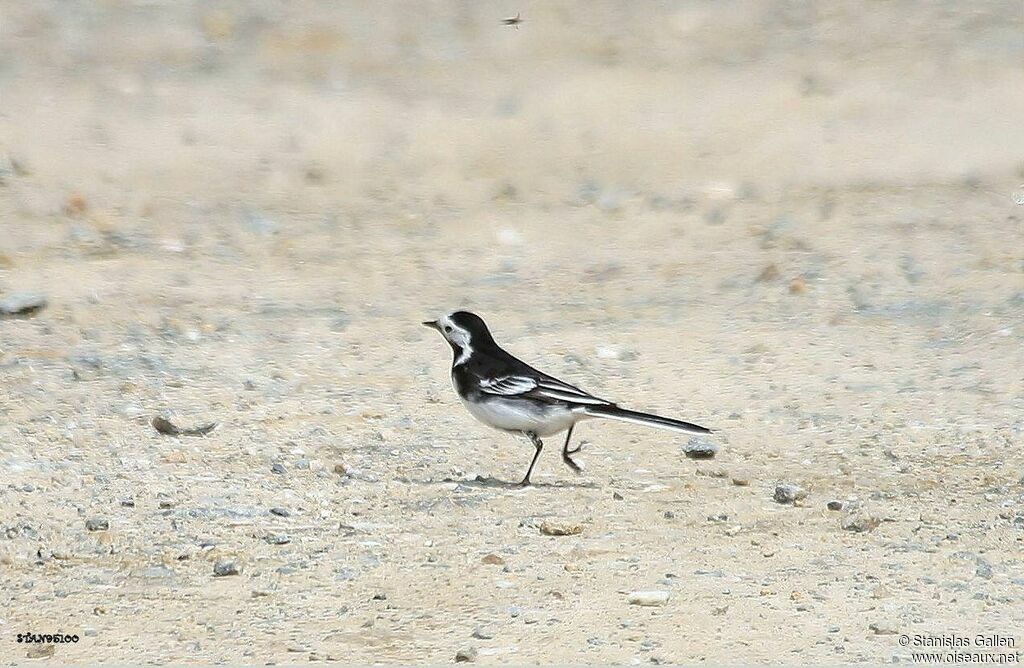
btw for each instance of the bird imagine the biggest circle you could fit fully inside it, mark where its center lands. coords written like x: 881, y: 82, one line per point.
x: 508, y: 394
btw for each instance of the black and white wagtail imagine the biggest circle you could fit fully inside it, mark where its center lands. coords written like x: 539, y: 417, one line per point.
x: 508, y: 394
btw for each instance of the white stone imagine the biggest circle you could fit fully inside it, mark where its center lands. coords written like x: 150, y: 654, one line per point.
x: 649, y: 598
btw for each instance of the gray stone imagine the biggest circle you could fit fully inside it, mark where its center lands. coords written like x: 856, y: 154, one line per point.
x: 97, y: 524
x: 860, y: 523
x: 277, y: 468
x: 789, y: 493
x: 21, y: 305
x: 699, y: 448
x: 280, y: 512
x: 225, y: 567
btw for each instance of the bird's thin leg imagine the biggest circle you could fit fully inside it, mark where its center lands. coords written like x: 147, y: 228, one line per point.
x: 574, y: 450
x: 539, y: 445
x: 566, y: 452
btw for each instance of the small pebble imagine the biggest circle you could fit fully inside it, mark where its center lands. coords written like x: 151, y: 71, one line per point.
x: 561, y: 529
x: 467, y: 655
x: 21, y: 305
x: 481, y: 633
x: 654, y: 598
x: 789, y: 493
x: 860, y: 523
x: 225, y: 567
x: 882, y: 629
x: 97, y: 524
x: 277, y: 468
x: 277, y: 539
x: 280, y: 512
x: 168, y: 428
x: 741, y: 482
x: 493, y: 560
x: 617, y: 496
x: 699, y: 448
x: 835, y: 505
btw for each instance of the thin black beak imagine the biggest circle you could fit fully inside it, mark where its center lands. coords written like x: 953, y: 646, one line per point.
x: 432, y: 324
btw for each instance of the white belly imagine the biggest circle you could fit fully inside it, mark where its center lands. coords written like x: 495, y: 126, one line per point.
x: 522, y: 416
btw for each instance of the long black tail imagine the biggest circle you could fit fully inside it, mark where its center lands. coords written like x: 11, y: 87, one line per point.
x: 616, y: 413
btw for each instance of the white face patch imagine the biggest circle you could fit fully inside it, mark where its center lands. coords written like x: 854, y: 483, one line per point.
x: 457, y: 336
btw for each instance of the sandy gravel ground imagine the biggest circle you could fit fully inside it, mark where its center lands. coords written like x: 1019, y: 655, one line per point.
x: 794, y: 223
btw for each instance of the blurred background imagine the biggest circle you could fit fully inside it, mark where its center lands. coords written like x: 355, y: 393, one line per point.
x: 798, y: 223
x: 315, y: 107
x: 180, y: 167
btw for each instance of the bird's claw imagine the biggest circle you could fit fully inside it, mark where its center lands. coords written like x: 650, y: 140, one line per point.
x: 570, y: 463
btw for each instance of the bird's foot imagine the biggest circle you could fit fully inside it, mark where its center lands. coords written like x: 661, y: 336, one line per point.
x: 570, y: 463
x: 567, y: 457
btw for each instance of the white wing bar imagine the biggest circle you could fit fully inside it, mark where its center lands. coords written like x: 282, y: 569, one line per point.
x: 542, y: 388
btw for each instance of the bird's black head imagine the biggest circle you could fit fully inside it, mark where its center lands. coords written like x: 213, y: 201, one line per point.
x: 463, y: 330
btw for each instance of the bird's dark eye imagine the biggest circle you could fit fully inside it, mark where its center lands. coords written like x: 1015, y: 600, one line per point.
x: 448, y: 328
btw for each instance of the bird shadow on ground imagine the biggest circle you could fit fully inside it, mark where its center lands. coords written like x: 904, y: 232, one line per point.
x: 486, y: 482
